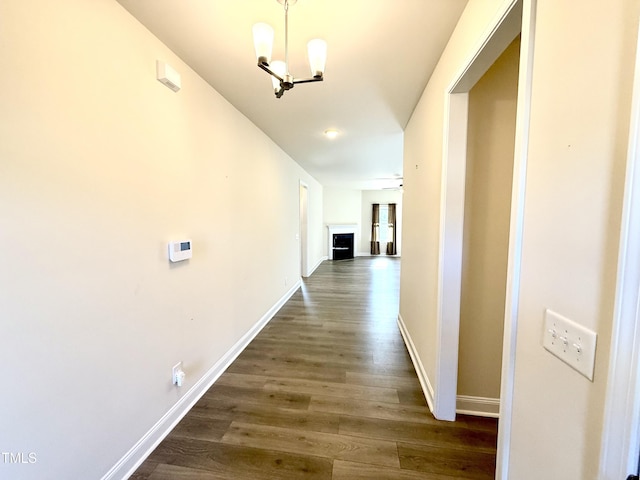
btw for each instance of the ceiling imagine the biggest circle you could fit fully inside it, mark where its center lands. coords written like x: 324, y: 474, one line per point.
x: 381, y: 54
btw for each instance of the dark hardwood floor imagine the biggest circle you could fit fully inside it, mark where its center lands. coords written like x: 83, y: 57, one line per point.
x: 327, y: 390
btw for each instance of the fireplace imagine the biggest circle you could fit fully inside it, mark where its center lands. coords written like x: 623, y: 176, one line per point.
x: 343, y: 241
x: 342, y: 246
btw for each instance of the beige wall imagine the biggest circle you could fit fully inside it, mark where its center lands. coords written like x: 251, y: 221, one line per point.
x: 582, y: 73
x: 491, y: 141
x: 575, y: 176
x: 100, y: 166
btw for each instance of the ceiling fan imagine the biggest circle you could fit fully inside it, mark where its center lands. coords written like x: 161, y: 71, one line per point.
x: 397, y: 178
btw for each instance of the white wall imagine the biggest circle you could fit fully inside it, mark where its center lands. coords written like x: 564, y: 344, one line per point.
x: 342, y: 206
x: 369, y: 197
x: 100, y: 166
x: 353, y: 207
x: 579, y: 122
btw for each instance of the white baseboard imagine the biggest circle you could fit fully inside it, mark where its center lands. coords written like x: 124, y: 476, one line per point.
x: 315, y: 267
x: 465, y: 405
x: 128, y: 464
x: 478, y: 406
x: 427, y: 388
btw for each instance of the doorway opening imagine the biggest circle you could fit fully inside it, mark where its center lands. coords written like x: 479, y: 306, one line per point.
x: 488, y: 178
x: 516, y: 18
x: 304, y: 229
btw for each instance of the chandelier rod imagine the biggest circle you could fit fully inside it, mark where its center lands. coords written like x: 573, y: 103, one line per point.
x: 286, y: 36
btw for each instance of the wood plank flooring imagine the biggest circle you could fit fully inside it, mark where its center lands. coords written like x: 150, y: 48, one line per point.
x: 326, y: 391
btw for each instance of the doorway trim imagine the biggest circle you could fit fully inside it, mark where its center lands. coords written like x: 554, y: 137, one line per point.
x: 514, y: 17
x: 620, y: 447
x: 303, y: 234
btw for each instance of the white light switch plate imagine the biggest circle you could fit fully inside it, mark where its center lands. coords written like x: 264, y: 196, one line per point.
x: 570, y: 342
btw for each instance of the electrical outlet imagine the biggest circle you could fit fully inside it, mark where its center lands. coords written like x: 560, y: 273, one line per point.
x: 570, y: 342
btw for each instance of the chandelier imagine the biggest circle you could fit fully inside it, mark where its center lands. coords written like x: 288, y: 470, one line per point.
x: 282, y: 79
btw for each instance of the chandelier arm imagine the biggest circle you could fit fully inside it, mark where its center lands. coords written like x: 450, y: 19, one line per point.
x: 266, y: 68
x: 308, y: 80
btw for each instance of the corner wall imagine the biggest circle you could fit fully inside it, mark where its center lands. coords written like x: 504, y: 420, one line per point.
x: 101, y: 166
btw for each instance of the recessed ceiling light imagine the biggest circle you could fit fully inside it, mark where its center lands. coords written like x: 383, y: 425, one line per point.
x: 331, y: 133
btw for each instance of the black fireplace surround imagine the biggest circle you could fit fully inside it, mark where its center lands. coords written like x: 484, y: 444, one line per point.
x: 342, y: 246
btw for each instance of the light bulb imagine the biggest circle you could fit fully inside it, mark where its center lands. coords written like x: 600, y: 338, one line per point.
x: 331, y: 133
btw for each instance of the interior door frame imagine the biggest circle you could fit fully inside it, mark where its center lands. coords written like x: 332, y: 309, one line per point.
x: 620, y: 446
x: 303, y: 235
x: 514, y: 16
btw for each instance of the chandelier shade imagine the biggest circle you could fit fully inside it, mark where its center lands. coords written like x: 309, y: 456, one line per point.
x: 283, y: 80
x: 263, y: 41
x: 317, y: 50
x: 280, y: 69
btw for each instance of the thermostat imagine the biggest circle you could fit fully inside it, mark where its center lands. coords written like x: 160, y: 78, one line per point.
x: 167, y: 75
x: 179, y: 251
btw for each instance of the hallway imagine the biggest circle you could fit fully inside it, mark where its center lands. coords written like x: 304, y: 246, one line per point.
x: 326, y: 391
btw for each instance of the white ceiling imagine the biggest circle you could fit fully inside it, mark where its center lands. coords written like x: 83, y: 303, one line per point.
x: 381, y: 54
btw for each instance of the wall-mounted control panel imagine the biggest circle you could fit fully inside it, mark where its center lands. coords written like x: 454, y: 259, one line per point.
x: 168, y: 76
x: 180, y: 250
x: 570, y: 342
